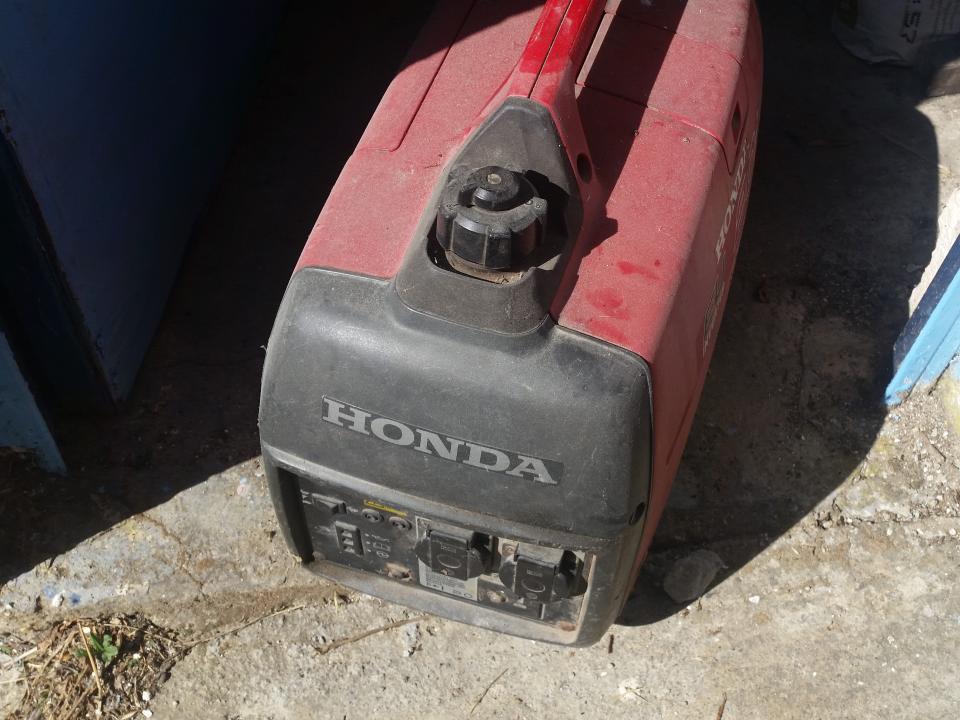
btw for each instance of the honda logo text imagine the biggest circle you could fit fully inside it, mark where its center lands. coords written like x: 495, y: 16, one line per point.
x: 439, y: 445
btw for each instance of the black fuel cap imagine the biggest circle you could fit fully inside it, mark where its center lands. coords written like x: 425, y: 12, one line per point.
x: 491, y: 217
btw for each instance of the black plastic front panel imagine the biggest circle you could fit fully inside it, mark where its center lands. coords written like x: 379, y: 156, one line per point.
x: 347, y: 527
x: 541, y: 438
x: 398, y: 576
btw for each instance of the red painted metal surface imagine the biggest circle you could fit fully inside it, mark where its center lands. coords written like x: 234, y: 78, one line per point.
x: 673, y: 145
x: 657, y: 105
x: 458, y: 68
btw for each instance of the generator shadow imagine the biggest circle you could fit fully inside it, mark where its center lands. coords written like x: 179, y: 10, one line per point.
x: 842, y: 219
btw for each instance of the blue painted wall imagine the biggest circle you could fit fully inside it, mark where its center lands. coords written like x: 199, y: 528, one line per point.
x: 931, y: 338
x: 121, y: 116
x: 22, y: 426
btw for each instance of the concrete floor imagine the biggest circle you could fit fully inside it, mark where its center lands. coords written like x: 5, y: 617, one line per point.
x: 838, y: 522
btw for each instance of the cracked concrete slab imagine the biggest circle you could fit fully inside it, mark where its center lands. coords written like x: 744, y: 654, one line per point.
x: 215, y: 541
x: 815, y: 616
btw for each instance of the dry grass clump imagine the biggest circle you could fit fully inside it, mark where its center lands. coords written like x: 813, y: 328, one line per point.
x: 108, y: 669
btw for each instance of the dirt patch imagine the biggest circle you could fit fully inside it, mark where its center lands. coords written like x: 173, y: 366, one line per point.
x: 911, y: 472
x: 110, y: 668
x: 91, y: 668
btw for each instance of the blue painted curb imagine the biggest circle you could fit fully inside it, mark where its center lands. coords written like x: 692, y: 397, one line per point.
x: 931, y: 338
x: 22, y: 425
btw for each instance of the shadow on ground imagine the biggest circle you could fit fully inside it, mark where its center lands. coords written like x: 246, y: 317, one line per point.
x: 193, y: 411
x: 841, y: 223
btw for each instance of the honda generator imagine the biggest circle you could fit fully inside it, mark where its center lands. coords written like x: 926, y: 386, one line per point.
x: 484, y: 370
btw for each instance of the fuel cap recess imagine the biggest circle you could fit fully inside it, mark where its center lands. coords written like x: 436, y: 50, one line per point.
x: 491, y: 217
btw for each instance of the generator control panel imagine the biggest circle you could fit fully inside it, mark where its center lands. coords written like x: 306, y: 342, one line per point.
x: 545, y: 584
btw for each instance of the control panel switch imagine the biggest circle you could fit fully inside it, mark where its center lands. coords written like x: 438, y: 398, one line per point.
x: 319, y: 509
x: 348, y: 538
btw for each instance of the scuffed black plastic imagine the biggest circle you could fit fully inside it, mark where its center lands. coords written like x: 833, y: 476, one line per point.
x: 550, y: 393
x: 520, y: 136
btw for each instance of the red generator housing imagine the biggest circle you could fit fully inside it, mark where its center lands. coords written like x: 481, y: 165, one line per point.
x: 485, y: 368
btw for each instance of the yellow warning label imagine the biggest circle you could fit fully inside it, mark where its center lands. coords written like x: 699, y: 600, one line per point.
x: 385, y: 508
